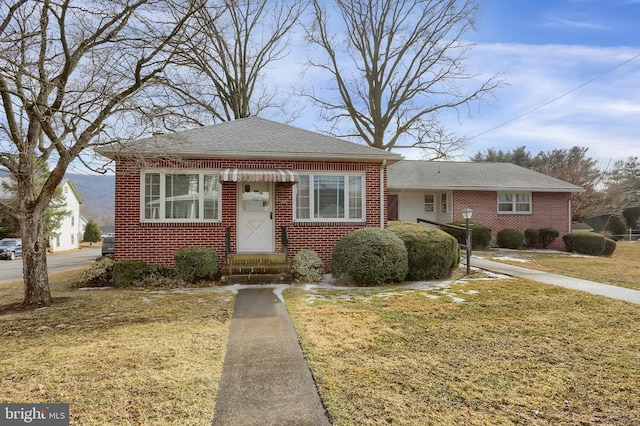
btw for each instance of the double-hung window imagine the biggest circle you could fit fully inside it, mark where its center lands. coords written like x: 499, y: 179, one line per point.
x: 429, y: 203
x: 514, y: 202
x: 181, y: 196
x: 329, y: 197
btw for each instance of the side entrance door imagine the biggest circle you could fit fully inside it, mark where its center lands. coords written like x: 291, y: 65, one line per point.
x: 255, y: 217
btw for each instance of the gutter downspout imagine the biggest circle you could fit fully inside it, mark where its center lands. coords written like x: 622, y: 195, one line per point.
x: 382, y: 200
x: 570, y: 216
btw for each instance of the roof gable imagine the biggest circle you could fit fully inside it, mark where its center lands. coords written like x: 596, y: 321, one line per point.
x: 251, y: 137
x: 475, y: 176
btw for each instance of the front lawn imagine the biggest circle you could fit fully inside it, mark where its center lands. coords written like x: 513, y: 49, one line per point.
x: 116, y: 356
x: 621, y: 269
x: 496, y: 351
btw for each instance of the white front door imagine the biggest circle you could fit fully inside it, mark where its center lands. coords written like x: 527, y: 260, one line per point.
x: 255, y: 217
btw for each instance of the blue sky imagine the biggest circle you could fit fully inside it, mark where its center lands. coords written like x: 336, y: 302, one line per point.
x: 547, y: 49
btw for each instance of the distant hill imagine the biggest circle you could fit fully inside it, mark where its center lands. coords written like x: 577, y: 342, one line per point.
x: 98, y: 196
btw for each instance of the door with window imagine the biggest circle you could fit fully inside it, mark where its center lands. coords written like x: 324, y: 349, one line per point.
x: 255, y: 217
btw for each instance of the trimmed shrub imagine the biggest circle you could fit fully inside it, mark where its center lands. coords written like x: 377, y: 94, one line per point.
x: 509, y: 238
x: 585, y: 243
x: 480, y: 234
x: 532, y: 238
x: 547, y: 236
x: 614, y: 228
x: 609, y: 247
x: 130, y: 273
x: 196, y: 263
x: 432, y: 253
x: 100, y: 274
x: 307, y: 266
x: 369, y: 256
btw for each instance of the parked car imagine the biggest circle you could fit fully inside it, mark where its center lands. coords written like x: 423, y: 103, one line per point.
x: 10, y: 248
x: 108, y: 245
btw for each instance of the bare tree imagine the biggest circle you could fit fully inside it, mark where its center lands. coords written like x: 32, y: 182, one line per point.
x: 227, y: 50
x: 396, y: 66
x: 68, y: 71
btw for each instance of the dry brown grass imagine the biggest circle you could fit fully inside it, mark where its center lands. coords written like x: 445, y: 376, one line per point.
x: 116, y: 356
x: 515, y: 352
x: 621, y: 269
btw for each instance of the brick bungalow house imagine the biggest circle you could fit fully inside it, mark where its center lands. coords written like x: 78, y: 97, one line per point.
x: 501, y: 195
x: 250, y: 185
x: 242, y: 186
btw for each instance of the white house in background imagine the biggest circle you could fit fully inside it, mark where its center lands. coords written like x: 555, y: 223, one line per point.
x: 67, y: 236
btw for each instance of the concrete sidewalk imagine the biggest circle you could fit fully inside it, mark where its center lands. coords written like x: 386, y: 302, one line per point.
x: 265, y: 377
x: 611, y: 291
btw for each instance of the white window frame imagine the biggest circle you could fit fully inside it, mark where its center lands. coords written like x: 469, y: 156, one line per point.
x: 430, y: 206
x: 162, y: 196
x: 346, y: 198
x: 444, y: 202
x: 515, y: 202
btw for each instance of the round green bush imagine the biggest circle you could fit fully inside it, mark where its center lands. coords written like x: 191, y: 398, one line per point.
x: 547, y: 236
x: 130, y: 273
x: 614, y: 228
x: 99, y: 274
x: 480, y: 234
x: 369, y: 256
x: 509, y: 238
x: 532, y: 238
x: 585, y: 243
x: 307, y: 266
x: 432, y: 253
x: 196, y: 263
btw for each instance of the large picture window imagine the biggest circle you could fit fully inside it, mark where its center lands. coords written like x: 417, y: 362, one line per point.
x: 329, y: 198
x: 180, y: 197
x: 514, y: 202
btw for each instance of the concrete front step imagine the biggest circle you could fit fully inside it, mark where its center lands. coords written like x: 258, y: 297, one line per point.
x: 256, y: 268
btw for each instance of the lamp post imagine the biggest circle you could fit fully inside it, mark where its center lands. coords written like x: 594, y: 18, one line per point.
x: 466, y: 214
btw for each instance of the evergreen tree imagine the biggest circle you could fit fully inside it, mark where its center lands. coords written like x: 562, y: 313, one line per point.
x: 92, y: 233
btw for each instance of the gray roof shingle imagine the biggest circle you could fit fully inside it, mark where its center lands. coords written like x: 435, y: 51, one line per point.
x: 475, y: 176
x: 251, y: 137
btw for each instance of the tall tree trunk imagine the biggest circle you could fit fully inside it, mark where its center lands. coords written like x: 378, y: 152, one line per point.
x: 34, y: 261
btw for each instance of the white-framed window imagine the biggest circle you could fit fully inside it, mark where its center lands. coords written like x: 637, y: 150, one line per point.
x: 429, y: 203
x: 329, y: 197
x: 444, y: 205
x: 180, y: 196
x: 514, y: 202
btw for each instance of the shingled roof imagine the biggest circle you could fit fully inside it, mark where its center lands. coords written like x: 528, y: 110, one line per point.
x: 250, y: 138
x: 475, y: 176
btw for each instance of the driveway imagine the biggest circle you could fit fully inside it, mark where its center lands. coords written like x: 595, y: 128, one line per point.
x: 12, y: 270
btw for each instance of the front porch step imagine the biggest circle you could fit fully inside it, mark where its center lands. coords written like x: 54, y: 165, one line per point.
x: 256, y: 268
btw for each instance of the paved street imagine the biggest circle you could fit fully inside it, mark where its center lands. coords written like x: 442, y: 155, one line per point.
x: 12, y: 270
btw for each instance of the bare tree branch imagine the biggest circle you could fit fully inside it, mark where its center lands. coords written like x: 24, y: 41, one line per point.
x: 400, y: 65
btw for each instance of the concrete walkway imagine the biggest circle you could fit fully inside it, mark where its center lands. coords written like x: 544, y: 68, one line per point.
x: 611, y: 291
x: 265, y: 377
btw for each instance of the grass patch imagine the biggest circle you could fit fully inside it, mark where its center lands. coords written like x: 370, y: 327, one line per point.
x: 116, y: 356
x: 621, y: 269
x: 513, y: 352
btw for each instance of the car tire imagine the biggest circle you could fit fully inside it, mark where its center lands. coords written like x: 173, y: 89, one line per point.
x: 13, y: 255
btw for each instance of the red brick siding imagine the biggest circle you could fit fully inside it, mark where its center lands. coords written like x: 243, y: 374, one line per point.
x: 549, y: 210
x: 156, y: 243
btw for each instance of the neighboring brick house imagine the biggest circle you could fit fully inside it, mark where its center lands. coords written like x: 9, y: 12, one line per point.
x: 244, y: 181
x: 501, y: 195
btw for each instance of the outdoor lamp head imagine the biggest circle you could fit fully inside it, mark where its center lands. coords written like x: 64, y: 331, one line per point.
x: 466, y: 213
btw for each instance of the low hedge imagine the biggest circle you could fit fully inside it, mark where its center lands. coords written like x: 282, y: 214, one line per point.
x: 432, y: 253
x: 131, y: 273
x: 510, y: 238
x: 369, y: 256
x: 589, y: 243
x: 196, y: 263
x: 480, y: 234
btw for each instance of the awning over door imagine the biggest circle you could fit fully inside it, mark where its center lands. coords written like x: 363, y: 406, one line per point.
x: 258, y: 175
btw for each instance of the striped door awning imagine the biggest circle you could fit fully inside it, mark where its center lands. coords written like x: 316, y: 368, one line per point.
x: 258, y: 175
